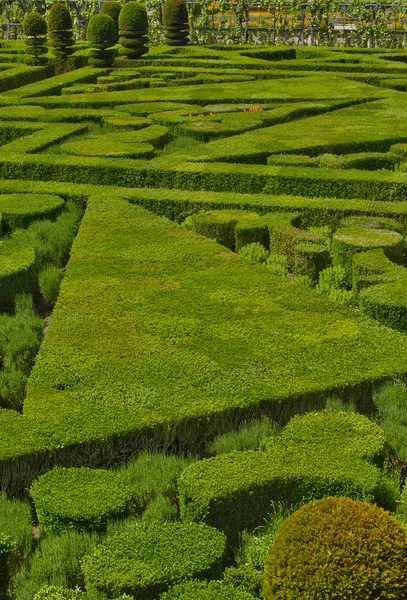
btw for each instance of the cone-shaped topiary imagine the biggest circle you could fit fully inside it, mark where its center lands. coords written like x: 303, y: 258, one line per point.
x: 133, y: 29
x: 60, y: 30
x: 101, y: 34
x: 175, y: 20
x: 35, y: 32
x: 337, y: 548
x: 112, y: 9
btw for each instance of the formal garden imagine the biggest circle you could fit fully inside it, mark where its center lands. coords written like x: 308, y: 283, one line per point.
x: 203, y: 301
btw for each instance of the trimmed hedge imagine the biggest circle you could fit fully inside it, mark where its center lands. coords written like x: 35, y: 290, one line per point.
x: 82, y: 499
x: 146, y: 559
x: 19, y: 210
x: 112, y: 9
x: 205, y: 590
x: 340, y: 548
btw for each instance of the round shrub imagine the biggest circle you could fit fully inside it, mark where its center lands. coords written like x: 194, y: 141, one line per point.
x: 35, y: 32
x: 101, y: 34
x: 337, y: 548
x: 175, y: 20
x: 80, y: 499
x: 147, y: 558
x: 133, y: 29
x: 60, y: 30
x: 205, y: 590
x: 112, y: 9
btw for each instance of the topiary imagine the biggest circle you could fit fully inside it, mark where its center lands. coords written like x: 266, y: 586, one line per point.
x: 60, y: 30
x: 101, y: 34
x: 337, y: 548
x: 80, y: 499
x: 35, y: 32
x: 133, y: 29
x: 145, y: 559
x: 112, y: 9
x: 175, y: 20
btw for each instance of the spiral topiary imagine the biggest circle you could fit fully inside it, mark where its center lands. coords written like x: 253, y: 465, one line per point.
x: 337, y: 548
x: 101, y: 34
x: 35, y: 32
x: 175, y: 20
x: 112, y: 9
x: 60, y: 31
x: 133, y: 29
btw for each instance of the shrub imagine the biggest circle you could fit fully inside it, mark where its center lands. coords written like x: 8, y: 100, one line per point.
x: 35, y: 32
x: 50, y: 281
x: 6, y: 552
x: 101, y: 34
x: 175, y: 21
x: 56, y: 562
x: 337, y: 547
x: 133, y: 30
x: 54, y: 592
x: 254, y: 253
x: 245, y: 579
x: 60, y: 30
x: 146, y: 559
x: 112, y: 8
x: 78, y: 499
x: 391, y: 402
x: 247, y: 437
x: 205, y: 590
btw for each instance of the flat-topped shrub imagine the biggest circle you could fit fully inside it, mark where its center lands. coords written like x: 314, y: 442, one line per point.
x: 101, y: 34
x: 133, y: 30
x: 205, y: 590
x: 35, y: 32
x: 71, y: 498
x: 60, y: 30
x: 175, y: 21
x: 146, y: 559
x: 337, y: 548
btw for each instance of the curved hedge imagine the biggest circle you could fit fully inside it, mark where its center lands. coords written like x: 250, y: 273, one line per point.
x: 205, y: 590
x: 109, y: 148
x: 71, y: 498
x: 133, y: 29
x: 18, y: 274
x: 175, y: 21
x: 337, y: 548
x: 147, y: 558
x: 19, y: 210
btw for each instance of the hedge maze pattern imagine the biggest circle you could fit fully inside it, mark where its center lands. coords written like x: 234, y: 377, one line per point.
x: 161, y: 336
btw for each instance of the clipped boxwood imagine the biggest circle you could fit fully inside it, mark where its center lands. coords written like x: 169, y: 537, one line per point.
x: 146, y: 559
x: 337, y: 548
x: 175, y: 21
x: 205, y: 590
x: 387, y: 302
x: 78, y: 498
x: 133, y: 30
x: 101, y: 34
x: 310, y: 259
x: 35, y: 33
x: 112, y: 8
x: 60, y: 30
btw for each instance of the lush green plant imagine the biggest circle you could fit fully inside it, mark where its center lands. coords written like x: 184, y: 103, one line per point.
x: 337, y: 547
x: 7, y: 547
x: 16, y: 522
x: 56, y: 562
x: 50, y: 281
x: 391, y: 402
x: 101, y: 34
x: 254, y: 253
x: 146, y: 559
x: 54, y: 592
x: 247, y: 437
x: 60, y: 30
x: 133, y: 30
x: 112, y: 8
x: 35, y: 32
x: 82, y: 499
x: 175, y: 21
x: 205, y: 590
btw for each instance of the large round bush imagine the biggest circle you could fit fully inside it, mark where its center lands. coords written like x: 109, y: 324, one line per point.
x: 101, y: 30
x: 34, y: 24
x: 338, y: 548
x: 112, y: 9
x: 147, y: 558
x: 133, y: 17
x: 78, y: 498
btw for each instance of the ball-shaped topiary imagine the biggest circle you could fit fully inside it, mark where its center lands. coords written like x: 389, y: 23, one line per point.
x: 101, y: 34
x: 337, y: 548
x: 60, y: 30
x: 112, y: 9
x: 35, y: 32
x: 175, y: 21
x: 133, y: 29
x: 80, y: 499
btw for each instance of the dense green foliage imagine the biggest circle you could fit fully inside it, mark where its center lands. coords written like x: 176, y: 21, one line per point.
x: 35, y: 31
x: 175, y: 21
x: 204, y: 590
x: 78, y: 499
x: 112, y: 9
x: 101, y: 34
x: 339, y: 547
x: 60, y: 30
x: 133, y: 30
